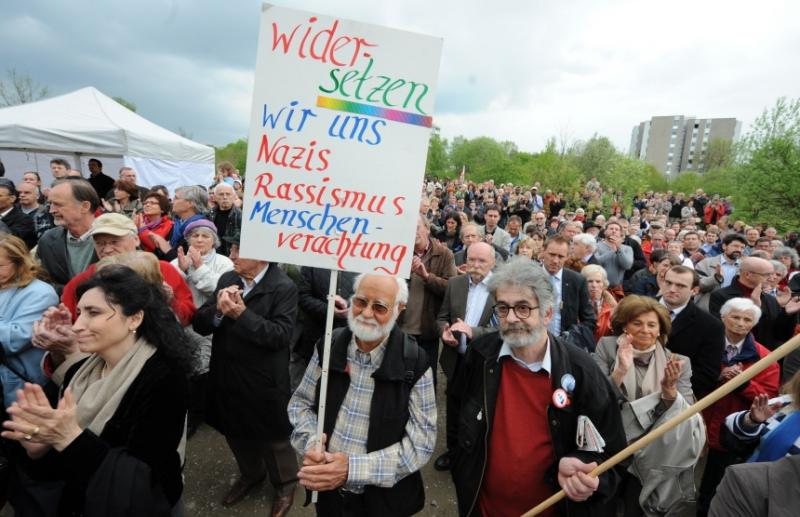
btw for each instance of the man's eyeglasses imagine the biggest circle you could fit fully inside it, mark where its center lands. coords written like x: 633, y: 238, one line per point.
x: 378, y: 308
x: 522, y: 312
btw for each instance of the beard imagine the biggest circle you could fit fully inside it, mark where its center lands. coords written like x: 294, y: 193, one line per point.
x: 368, y: 329
x: 521, y: 335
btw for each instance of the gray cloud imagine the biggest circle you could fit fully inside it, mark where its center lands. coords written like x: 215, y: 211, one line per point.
x: 520, y: 71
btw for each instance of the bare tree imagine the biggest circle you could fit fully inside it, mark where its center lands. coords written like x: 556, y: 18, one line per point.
x: 19, y: 89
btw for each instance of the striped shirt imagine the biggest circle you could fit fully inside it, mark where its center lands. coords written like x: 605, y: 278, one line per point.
x: 737, y: 425
x: 384, y: 467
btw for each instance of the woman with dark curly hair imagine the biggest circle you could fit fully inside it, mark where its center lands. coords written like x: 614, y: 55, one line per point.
x: 113, y: 444
x: 450, y: 235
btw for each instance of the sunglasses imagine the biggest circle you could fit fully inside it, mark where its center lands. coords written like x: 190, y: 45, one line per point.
x: 378, y: 308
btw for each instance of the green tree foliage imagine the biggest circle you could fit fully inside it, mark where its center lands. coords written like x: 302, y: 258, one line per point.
x: 596, y: 157
x: 484, y: 158
x: 719, y: 154
x: 19, y: 89
x: 780, y: 122
x: 234, y: 152
x: 125, y: 102
x: 438, y: 162
x: 768, y: 184
x: 686, y: 182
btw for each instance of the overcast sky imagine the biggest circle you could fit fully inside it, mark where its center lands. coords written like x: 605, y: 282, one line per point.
x: 518, y: 70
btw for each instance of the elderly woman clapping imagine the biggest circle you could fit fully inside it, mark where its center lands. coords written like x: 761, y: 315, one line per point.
x: 739, y: 315
x: 653, y: 385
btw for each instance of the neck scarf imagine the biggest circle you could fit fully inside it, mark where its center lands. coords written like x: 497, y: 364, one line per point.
x: 99, y: 397
x: 656, y: 360
x: 153, y: 224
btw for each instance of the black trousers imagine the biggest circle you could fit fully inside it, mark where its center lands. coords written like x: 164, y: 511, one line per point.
x: 257, y: 458
x: 716, y: 463
x: 451, y: 428
x: 341, y: 503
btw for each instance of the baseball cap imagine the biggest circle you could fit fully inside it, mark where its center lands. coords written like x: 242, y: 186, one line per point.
x: 113, y: 224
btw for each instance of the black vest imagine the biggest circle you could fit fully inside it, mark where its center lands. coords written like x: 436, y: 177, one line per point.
x: 403, y: 364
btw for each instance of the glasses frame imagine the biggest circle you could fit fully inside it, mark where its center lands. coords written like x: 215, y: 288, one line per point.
x: 379, y: 308
x: 499, y: 312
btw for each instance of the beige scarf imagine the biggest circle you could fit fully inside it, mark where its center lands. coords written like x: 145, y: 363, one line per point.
x: 650, y: 382
x: 98, y: 397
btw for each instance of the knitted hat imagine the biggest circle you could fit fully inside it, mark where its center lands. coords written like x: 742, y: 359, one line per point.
x: 200, y: 223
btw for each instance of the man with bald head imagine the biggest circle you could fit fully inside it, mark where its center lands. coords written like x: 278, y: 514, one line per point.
x: 380, y: 416
x: 226, y: 216
x: 778, y: 315
x: 466, y: 314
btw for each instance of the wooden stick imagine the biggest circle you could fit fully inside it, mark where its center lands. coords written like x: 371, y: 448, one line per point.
x: 774, y: 356
x: 326, y: 361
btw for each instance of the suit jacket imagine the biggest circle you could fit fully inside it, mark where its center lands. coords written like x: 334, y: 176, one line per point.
x: 576, y: 308
x: 21, y: 225
x: 454, y: 307
x: 767, y: 489
x: 775, y: 326
x: 700, y: 337
x: 248, y: 378
x: 52, y: 253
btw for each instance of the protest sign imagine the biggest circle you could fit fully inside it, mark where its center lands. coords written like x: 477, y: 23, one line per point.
x: 341, y: 117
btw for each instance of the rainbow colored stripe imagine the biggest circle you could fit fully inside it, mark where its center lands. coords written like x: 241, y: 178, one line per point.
x: 374, y: 111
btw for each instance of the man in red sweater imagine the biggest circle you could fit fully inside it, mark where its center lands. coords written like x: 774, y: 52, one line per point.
x: 533, y: 414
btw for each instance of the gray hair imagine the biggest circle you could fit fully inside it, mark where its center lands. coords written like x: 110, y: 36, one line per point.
x: 594, y: 268
x: 209, y: 231
x: 402, y: 288
x: 196, y: 195
x: 786, y: 251
x: 586, y: 240
x: 778, y: 265
x: 469, y: 225
x: 522, y: 272
x: 741, y: 305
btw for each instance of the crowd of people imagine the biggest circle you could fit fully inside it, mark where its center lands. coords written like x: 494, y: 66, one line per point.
x: 566, y: 327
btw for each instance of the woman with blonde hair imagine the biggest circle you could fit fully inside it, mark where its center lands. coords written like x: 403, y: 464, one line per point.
x: 23, y: 300
x: 654, y: 385
x: 603, y: 302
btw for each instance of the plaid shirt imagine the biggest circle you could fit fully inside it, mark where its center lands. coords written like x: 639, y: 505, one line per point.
x: 42, y: 220
x: 384, y: 467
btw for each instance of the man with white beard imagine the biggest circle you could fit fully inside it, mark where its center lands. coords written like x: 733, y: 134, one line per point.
x: 533, y: 414
x: 380, y: 412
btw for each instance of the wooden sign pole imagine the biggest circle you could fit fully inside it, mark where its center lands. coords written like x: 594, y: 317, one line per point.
x: 774, y: 356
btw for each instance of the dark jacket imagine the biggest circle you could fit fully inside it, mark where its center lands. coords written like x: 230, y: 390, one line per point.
x: 440, y: 266
x: 232, y: 227
x: 248, y: 379
x: 475, y: 391
x: 52, y: 253
x: 576, y: 308
x: 775, y: 326
x: 403, y: 364
x: 21, y: 225
x: 312, y: 301
x: 134, y: 463
x: 639, y: 260
x: 700, y: 337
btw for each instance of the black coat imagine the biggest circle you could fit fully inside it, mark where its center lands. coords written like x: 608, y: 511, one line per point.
x: 312, y: 298
x: 475, y: 391
x: 775, y: 326
x: 133, y: 464
x: 248, y: 378
x: 52, y: 253
x: 701, y: 337
x: 576, y: 308
x: 21, y: 225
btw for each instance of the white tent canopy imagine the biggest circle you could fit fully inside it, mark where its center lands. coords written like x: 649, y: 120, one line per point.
x: 86, y: 124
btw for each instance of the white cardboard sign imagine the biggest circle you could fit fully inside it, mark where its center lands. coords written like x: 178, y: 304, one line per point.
x: 342, y: 113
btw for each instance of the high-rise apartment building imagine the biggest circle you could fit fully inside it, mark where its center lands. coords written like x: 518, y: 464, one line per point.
x: 675, y: 144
